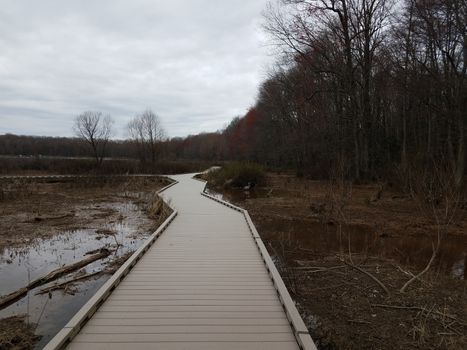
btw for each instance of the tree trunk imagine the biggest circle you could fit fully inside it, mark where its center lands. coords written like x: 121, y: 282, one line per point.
x: 357, y: 151
x: 460, y: 166
x: 404, y: 143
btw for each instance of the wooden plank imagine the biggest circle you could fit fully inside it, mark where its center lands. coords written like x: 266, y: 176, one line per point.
x: 231, y: 284
x: 209, y: 269
x: 227, y: 315
x: 177, y: 293
x: 199, y: 295
x: 190, y: 308
x: 133, y: 338
x: 199, y: 274
x: 125, y: 321
x: 203, y: 303
x: 251, y: 285
x: 186, y: 329
x: 185, y: 279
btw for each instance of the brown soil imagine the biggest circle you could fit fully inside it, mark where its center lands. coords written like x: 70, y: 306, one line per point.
x: 16, y: 334
x: 32, y: 210
x: 389, y: 238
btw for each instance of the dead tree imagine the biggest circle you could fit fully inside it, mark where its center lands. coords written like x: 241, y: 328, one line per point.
x: 147, y: 132
x: 95, y: 129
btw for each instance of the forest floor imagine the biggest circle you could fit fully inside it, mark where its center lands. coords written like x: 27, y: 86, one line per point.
x: 48, y: 224
x: 345, y: 270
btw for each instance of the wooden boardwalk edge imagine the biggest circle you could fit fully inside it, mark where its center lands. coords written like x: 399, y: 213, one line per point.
x: 301, y: 332
x: 78, y: 321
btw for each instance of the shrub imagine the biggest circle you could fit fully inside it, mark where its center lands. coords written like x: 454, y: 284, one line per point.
x: 237, y: 175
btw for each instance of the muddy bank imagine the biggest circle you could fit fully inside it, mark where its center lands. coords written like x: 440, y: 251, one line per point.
x: 346, y: 277
x: 46, y: 226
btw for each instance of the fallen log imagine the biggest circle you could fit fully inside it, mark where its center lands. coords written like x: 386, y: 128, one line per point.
x: 68, y: 282
x: 9, y: 299
x: 51, y: 276
x: 45, y: 217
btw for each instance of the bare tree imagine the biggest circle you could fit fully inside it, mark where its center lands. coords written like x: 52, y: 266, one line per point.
x: 95, y: 129
x: 147, y: 132
x: 303, y: 29
x: 137, y: 135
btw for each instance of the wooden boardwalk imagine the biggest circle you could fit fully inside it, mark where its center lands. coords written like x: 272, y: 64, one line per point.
x: 205, y: 283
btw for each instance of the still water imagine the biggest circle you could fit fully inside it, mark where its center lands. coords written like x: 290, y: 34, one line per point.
x: 323, y: 239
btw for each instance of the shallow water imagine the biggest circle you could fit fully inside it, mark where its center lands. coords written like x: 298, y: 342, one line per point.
x: 318, y: 238
x: 19, y: 266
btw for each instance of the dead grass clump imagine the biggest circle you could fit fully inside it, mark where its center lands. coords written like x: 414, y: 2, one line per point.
x: 157, y: 210
x: 17, y: 189
x: 17, y: 334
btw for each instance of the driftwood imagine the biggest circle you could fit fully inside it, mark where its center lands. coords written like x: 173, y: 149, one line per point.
x: 12, y: 297
x: 51, y: 276
x: 45, y: 217
x: 68, y: 282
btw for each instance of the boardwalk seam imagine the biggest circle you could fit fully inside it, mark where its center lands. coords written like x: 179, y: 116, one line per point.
x: 78, y: 321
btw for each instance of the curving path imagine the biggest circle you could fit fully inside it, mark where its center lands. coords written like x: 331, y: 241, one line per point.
x: 205, y: 284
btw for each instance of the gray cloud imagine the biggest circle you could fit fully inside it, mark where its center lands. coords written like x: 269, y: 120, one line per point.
x: 197, y: 63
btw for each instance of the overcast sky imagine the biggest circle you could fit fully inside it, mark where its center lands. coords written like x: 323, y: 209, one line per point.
x: 196, y: 63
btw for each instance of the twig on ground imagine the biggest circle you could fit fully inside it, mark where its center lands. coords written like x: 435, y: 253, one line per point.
x: 381, y: 284
x: 402, y: 270
x: 425, y: 270
x: 418, y: 308
x: 359, y: 321
x: 318, y: 268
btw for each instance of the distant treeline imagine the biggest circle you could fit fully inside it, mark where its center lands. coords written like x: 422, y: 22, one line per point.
x: 61, y: 155
x: 209, y: 146
x: 16, y: 145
